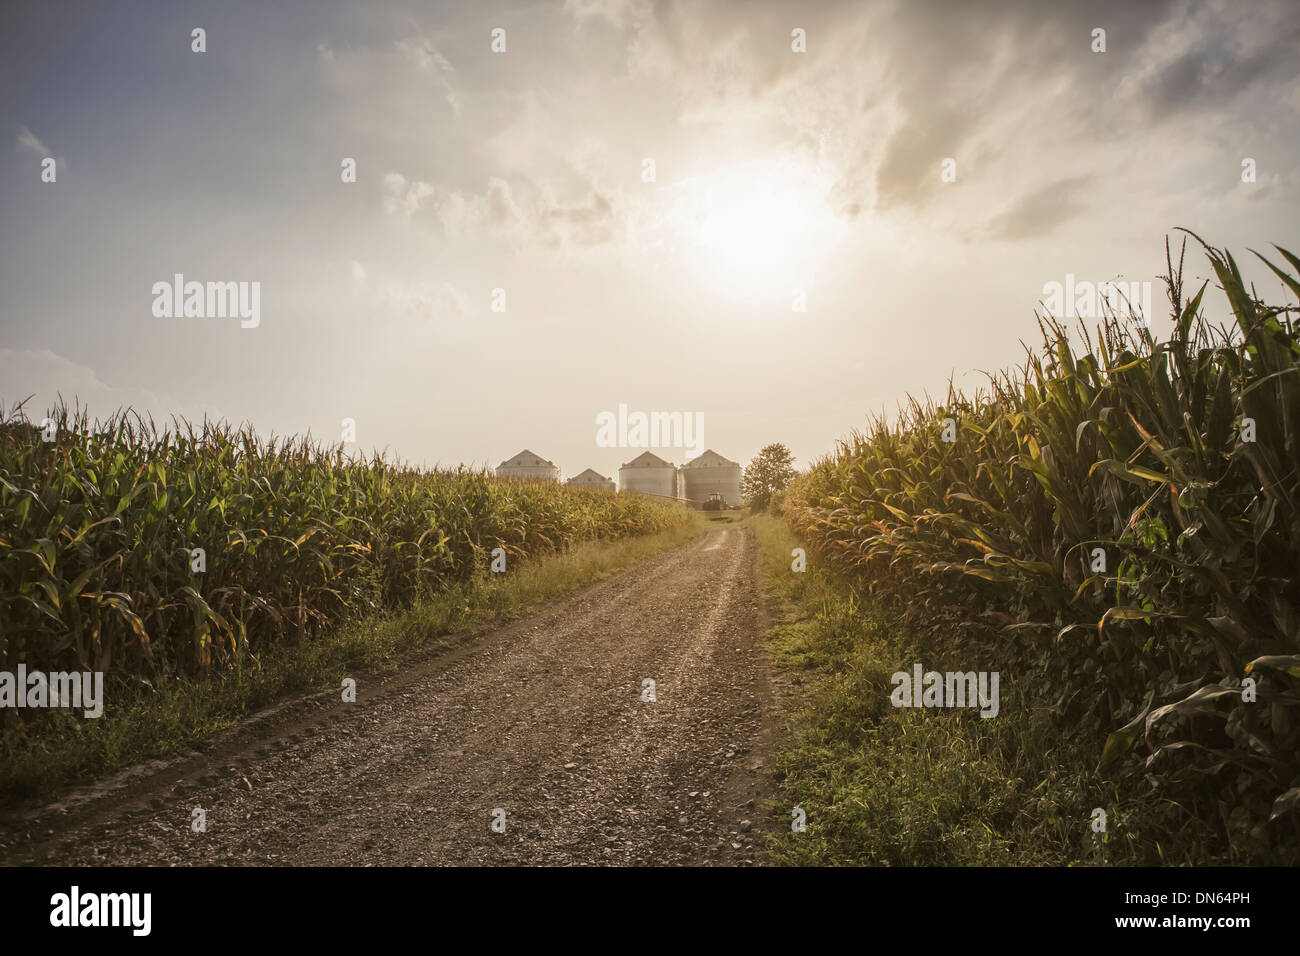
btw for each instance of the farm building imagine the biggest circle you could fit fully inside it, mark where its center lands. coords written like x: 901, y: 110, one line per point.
x: 528, y: 464
x: 650, y: 474
x: 708, y: 474
x: 590, y: 479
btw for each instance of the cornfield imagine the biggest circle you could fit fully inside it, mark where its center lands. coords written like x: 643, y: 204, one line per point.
x: 100, y: 526
x: 1116, y: 526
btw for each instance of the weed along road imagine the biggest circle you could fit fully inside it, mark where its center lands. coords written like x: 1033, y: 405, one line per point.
x: 626, y: 724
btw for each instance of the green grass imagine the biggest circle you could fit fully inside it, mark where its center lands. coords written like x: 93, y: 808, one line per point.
x: 142, y: 722
x: 899, y: 786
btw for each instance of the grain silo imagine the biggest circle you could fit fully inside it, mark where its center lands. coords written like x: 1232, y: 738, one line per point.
x: 650, y: 474
x: 709, y: 474
x: 591, y: 479
x: 529, y: 464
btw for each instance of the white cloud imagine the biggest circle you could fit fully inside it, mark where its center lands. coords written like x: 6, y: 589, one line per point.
x: 428, y: 59
x: 405, y: 198
x: 409, y: 298
x: 620, y: 13
x: 501, y: 213
x: 435, y: 301
x: 393, y: 78
x: 27, y: 140
x: 424, y: 55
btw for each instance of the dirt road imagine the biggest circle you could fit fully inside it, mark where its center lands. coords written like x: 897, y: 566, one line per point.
x: 543, y: 719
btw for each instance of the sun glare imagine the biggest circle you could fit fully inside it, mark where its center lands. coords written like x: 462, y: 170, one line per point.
x: 761, y: 225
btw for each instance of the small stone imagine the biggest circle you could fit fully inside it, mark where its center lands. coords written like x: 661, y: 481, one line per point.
x: 746, y: 826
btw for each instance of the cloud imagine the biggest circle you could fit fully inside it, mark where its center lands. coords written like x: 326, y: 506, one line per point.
x: 46, y: 376
x: 439, y: 301
x: 1040, y: 211
x: 428, y: 59
x: 391, y: 78
x: 420, y: 299
x: 27, y: 140
x: 885, y: 92
x: 403, y: 198
x: 619, y: 13
x: 537, y: 218
x: 1208, y: 58
x: 592, y: 222
x: 424, y: 55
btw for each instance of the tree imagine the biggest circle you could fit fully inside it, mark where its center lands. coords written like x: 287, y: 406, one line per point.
x: 768, y: 474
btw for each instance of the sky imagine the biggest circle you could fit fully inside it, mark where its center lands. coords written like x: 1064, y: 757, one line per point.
x: 779, y: 218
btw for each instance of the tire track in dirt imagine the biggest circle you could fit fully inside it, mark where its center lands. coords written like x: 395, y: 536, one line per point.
x: 543, y: 719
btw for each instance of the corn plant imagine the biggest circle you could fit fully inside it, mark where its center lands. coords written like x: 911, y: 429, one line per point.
x: 100, y: 530
x: 1118, y: 520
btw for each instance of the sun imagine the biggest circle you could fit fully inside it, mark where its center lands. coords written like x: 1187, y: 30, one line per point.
x: 751, y: 227
x: 762, y: 225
